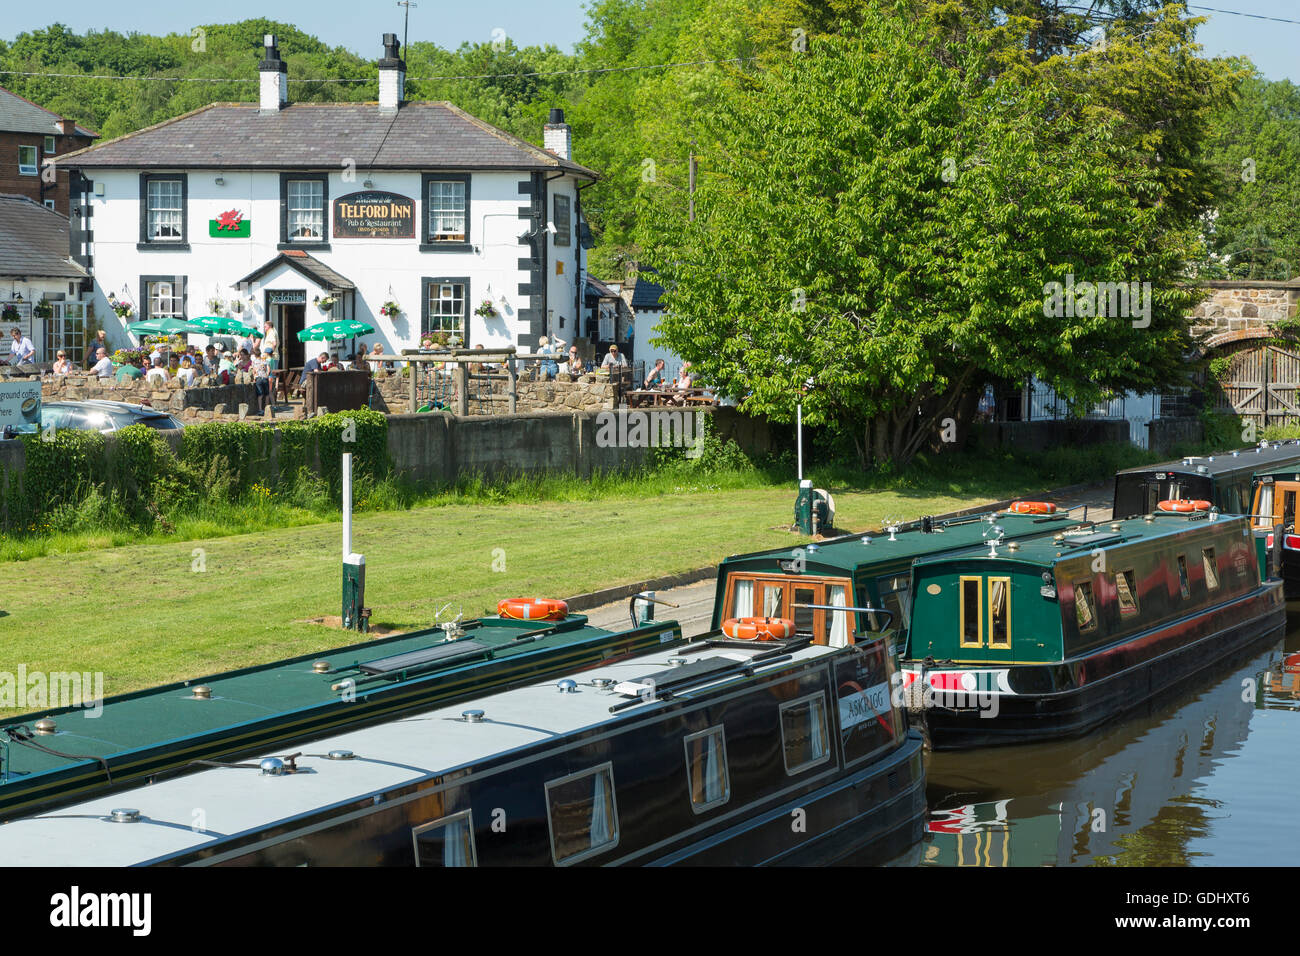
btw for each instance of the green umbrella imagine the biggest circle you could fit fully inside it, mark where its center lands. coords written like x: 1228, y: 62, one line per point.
x: 166, y: 326
x: 222, y: 325
x: 338, y: 329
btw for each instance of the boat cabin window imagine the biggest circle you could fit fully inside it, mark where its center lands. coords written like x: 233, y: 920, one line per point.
x: 894, y: 594
x: 706, y: 768
x: 1211, y: 569
x: 582, y: 814
x: 1288, y: 508
x: 1085, y: 611
x: 447, y: 842
x: 972, y: 626
x: 1182, y: 576
x: 1264, y: 506
x: 776, y: 596
x: 999, y: 613
x: 1126, y: 593
x: 803, y: 734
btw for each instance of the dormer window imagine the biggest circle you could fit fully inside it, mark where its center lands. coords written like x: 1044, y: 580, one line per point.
x: 162, y: 210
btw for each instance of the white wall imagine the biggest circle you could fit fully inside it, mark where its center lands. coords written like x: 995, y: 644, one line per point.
x: 382, y: 269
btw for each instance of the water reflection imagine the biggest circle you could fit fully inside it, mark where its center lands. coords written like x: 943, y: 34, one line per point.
x: 1208, y: 777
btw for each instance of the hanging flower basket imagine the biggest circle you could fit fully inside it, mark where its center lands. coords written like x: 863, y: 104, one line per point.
x: 43, y: 309
x: 9, y: 313
x: 486, y: 309
x: 216, y: 306
x: 123, y: 309
x: 390, y: 310
x: 326, y: 303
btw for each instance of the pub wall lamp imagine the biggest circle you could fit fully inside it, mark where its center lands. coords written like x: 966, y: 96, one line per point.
x: 220, y: 180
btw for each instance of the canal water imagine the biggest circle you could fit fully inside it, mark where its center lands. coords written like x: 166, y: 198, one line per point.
x: 1208, y: 777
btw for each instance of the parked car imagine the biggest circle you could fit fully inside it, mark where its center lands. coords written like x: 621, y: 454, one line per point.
x: 105, y: 416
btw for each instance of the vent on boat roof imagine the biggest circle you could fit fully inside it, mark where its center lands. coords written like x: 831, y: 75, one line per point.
x: 1092, y: 539
x: 426, y: 659
x: 679, y: 676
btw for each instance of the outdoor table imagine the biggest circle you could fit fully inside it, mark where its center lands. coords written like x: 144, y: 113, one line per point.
x: 285, y: 380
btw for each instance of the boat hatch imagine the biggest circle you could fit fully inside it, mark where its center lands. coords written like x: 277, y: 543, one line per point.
x: 676, y: 677
x: 439, y: 656
x: 1093, y: 539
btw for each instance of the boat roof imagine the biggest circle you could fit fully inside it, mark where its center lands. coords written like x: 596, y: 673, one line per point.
x: 1047, y: 551
x: 237, y: 800
x: 1251, y: 458
x: 855, y: 553
x: 130, y: 723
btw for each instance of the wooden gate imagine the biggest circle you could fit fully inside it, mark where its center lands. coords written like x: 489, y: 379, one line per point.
x: 1262, y: 384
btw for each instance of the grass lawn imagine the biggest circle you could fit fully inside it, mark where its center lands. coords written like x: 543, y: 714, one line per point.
x: 143, y: 616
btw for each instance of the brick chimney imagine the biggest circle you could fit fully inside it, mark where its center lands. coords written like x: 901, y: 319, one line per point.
x: 557, y: 136
x: 67, y: 127
x: 274, y: 76
x: 392, y: 76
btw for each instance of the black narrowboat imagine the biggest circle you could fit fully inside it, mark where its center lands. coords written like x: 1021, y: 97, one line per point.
x: 1224, y: 480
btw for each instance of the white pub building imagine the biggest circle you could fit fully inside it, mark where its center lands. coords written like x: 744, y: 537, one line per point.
x: 303, y: 212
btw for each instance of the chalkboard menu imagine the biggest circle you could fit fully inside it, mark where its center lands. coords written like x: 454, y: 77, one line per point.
x: 374, y: 215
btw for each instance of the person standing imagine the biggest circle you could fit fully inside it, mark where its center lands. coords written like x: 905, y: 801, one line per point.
x: 92, y: 350
x: 21, y: 349
x: 270, y: 345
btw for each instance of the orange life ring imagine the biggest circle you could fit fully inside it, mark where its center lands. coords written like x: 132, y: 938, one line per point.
x: 1032, y: 508
x: 1183, y: 505
x: 533, y: 609
x: 758, y: 628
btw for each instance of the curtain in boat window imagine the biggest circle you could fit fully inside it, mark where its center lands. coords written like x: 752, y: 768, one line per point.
x: 707, y: 761
x: 742, y: 603
x: 601, y: 830
x: 1264, y: 517
x: 839, y: 629
x: 803, y: 734
x: 582, y: 814
x: 449, y: 843
x: 455, y: 850
x: 772, y: 601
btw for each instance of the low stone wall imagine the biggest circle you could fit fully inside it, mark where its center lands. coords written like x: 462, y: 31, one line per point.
x: 1165, y: 434
x: 206, y: 394
x: 591, y: 392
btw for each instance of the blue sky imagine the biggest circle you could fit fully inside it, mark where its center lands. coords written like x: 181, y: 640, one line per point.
x: 358, y: 26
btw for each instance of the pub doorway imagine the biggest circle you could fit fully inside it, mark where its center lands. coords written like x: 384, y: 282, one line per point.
x: 287, y: 310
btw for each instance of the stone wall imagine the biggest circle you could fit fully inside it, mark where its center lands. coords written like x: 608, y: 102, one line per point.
x: 591, y: 393
x: 1242, y: 309
x: 1166, y: 434
x: 207, y: 394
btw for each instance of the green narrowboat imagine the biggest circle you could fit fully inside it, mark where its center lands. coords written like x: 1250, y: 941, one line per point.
x: 806, y: 584
x: 1273, y: 511
x: 1224, y: 480
x: 52, y: 757
x: 1050, y: 637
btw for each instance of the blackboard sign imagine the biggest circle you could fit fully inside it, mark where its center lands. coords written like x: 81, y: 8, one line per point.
x: 286, y: 298
x: 374, y: 215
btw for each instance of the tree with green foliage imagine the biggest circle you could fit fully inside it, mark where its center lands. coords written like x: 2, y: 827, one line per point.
x: 878, y: 226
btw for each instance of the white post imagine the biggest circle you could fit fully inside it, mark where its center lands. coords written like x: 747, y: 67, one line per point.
x: 798, y: 427
x: 347, y: 504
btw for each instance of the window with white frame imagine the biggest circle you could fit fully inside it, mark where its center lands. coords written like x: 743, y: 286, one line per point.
x: 446, y: 309
x: 563, y: 220
x: 583, y: 814
x: 706, y: 768
x: 66, y: 330
x: 447, y: 210
x: 803, y: 733
x: 165, y: 300
x: 166, y: 209
x: 27, y: 160
x: 305, y: 210
x: 49, y: 204
x: 49, y: 146
x: 448, y: 842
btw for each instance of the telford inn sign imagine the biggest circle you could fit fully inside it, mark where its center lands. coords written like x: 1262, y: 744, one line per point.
x: 374, y: 215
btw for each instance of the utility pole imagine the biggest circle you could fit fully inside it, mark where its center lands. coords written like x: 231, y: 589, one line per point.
x: 406, y: 25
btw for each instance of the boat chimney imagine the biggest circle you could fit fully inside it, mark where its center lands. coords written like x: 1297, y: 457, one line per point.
x: 392, y: 75
x: 274, y: 73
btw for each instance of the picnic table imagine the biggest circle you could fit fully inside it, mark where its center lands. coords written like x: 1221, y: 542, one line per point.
x: 286, y: 381
x: 660, y: 398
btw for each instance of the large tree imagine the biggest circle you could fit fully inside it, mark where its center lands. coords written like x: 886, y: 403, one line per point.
x: 883, y: 214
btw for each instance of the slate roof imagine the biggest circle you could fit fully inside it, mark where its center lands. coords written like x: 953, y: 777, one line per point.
x: 18, y: 115
x: 308, y: 265
x: 646, y: 293
x: 421, y: 135
x: 34, y: 240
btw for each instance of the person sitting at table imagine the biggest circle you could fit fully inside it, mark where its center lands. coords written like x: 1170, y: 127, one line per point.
x: 657, y: 378
x: 575, y: 366
x: 130, y: 370
x: 61, y: 364
x: 319, y: 364
x: 226, y: 368
x: 378, y: 359
x: 682, y: 384
x: 210, y: 360
x: 243, y: 360
x: 103, y: 367
x: 613, y: 359
x: 186, y: 374
x: 158, y: 374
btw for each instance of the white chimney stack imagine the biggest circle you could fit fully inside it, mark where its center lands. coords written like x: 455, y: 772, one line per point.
x: 557, y: 136
x: 392, y: 76
x: 274, y: 74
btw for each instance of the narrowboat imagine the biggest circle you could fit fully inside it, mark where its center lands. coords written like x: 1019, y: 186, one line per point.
x: 1273, y: 510
x: 1051, y: 637
x: 865, y: 570
x: 54, y: 756
x: 723, y: 752
x: 1224, y: 480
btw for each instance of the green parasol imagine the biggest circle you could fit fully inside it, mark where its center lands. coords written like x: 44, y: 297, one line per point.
x: 223, y: 325
x: 338, y: 329
x: 166, y: 326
